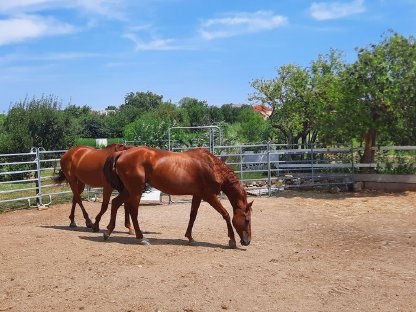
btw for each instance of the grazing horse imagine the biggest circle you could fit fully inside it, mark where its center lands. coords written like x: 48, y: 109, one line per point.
x: 195, y: 172
x: 83, y: 165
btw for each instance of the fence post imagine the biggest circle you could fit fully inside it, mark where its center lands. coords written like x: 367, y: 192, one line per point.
x: 269, y: 173
x: 38, y: 181
x: 312, y: 167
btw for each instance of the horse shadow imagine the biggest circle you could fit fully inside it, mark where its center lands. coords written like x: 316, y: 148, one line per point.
x: 85, y: 229
x: 130, y: 240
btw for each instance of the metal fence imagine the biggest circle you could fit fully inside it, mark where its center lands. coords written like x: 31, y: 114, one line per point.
x: 262, y: 168
x: 26, y: 177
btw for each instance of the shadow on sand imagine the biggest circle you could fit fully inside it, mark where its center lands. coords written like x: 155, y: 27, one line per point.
x: 130, y: 240
x: 86, y: 230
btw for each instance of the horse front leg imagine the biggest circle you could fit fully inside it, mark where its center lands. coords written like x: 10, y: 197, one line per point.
x: 77, y: 188
x: 72, y: 223
x: 196, y: 201
x: 216, y: 204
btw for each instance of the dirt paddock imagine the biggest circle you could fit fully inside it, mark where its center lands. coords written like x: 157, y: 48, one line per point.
x: 310, y: 252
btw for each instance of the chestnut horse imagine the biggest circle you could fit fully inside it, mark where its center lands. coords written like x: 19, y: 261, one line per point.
x: 83, y: 165
x: 195, y: 172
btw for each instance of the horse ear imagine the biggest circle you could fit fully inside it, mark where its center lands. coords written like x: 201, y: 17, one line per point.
x: 249, y: 205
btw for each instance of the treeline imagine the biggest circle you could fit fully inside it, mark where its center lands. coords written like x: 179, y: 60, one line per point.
x: 368, y: 103
x: 144, y: 117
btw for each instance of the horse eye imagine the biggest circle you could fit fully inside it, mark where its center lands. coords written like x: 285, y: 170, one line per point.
x: 247, y: 222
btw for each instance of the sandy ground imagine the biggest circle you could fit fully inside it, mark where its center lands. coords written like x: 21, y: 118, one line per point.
x: 310, y: 252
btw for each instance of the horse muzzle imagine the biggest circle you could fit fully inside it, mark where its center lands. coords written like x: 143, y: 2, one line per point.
x: 245, y: 241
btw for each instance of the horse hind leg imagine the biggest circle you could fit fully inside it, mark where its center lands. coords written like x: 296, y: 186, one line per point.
x: 115, y: 204
x: 88, y: 221
x: 127, y: 223
x: 196, y: 201
x: 77, y: 188
x: 104, y: 206
x: 133, y: 205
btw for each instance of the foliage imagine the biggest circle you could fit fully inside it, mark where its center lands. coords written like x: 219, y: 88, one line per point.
x: 290, y: 96
x: 138, y: 103
x: 37, y: 123
x: 253, y: 128
x: 197, y: 111
x: 377, y: 88
x: 148, y: 130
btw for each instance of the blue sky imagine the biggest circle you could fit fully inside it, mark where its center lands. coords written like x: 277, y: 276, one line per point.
x: 93, y: 52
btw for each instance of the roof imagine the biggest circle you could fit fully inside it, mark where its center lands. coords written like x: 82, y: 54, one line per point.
x: 263, y: 110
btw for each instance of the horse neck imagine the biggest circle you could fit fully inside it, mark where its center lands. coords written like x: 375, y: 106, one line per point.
x: 235, y: 194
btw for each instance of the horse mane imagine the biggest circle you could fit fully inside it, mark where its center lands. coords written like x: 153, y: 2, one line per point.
x: 223, y: 172
x: 118, y: 147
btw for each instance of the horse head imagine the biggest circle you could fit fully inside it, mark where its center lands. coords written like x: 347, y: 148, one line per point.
x: 242, y: 223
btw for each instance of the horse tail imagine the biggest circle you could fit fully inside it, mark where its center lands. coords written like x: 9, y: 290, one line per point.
x: 59, y: 178
x: 110, y: 173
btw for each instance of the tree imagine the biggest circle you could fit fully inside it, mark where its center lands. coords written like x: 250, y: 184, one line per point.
x: 196, y: 110
x: 380, y: 92
x: 215, y: 115
x: 147, y: 130
x: 38, y: 123
x: 327, y: 94
x: 230, y: 112
x: 253, y: 127
x: 94, y: 126
x: 139, y: 103
x: 290, y: 96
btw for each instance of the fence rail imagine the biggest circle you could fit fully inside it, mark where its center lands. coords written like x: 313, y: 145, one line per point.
x: 262, y: 168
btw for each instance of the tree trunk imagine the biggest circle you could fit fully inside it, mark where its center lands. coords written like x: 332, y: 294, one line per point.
x: 369, y: 153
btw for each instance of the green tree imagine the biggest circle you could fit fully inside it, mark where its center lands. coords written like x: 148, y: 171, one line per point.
x: 230, y: 113
x: 380, y: 92
x: 327, y: 95
x: 290, y: 96
x: 38, y: 123
x: 253, y: 127
x: 215, y: 115
x: 147, y: 130
x: 94, y: 126
x: 138, y: 103
x: 114, y: 125
x: 196, y: 110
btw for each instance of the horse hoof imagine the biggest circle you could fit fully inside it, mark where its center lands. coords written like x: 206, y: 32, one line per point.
x: 72, y: 225
x: 144, y: 242
x: 131, y: 232
x: 95, y: 228
x: 232, y: 244
x: 106, y: 236
x: 89, y: 224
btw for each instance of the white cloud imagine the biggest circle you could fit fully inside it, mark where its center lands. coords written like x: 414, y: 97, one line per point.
x: 333, y: 10
x: 108, y: 8
x: 154, y: 44
x: 240, y: 24
x: 21, y: 28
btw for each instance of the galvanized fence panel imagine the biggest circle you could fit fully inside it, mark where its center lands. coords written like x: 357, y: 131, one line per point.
x: 18, y: 177
x: 262, y: 169
x: 26, y: 177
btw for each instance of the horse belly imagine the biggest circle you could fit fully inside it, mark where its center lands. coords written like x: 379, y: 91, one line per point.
x: 91, y: 174
x: 175, y: 185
